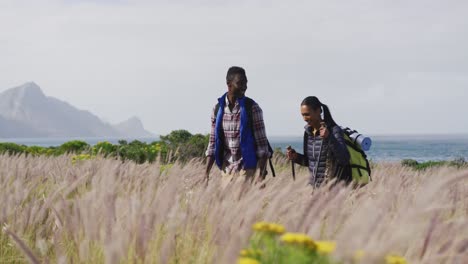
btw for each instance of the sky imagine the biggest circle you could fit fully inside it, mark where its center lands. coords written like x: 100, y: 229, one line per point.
x: 382, y: 67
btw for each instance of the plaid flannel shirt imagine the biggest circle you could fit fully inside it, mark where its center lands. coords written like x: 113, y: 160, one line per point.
x: 231, y: 128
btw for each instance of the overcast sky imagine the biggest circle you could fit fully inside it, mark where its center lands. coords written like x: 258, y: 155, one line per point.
x: 383, y: 67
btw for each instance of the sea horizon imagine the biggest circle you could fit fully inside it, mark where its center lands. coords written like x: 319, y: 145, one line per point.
x: 420, y: 147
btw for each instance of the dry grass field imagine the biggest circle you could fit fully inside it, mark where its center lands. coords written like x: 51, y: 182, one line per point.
x: 106, y: 211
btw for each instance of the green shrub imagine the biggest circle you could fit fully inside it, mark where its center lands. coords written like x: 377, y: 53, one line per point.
x: 36, y: 150
x: 459, y: 162
x: 104, y: 148
x: 194, y: 147
x: 409, y: 163
x: 74, y: 146
x: 177, y: 137
x: 180, y: 144
x: 134, y: 151
x: 12, y: 148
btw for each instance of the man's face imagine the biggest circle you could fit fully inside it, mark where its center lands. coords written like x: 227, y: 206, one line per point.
x: 238, y: 85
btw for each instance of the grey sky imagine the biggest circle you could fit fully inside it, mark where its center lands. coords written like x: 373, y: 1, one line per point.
x: 383, y: 67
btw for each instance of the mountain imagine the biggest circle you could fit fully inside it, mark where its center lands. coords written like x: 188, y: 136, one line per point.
x: 133, y: 127
x: 25, y: 111
x: 11, y: 128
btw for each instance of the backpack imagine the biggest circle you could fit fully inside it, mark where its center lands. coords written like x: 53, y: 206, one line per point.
x: 248, y: 106
x: 358, y: 163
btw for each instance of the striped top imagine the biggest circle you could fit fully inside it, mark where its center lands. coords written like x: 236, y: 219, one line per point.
x: 317, y: 150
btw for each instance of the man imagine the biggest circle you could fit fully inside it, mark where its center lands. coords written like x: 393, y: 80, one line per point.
x: 236, y: 116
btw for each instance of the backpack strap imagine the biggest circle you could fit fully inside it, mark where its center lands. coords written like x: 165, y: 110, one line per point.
x: 215, y: 115
x: 248, y: 107
x: 216, y: 109
x: 270, y: 149
x: 306, y: 136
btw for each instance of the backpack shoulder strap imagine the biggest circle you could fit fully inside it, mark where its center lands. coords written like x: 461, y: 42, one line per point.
x: 216, y: 110
x: 305, y: 144
x: 248, y: 107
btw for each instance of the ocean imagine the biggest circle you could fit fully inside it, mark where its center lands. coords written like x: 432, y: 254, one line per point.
x: 395, y: 148
x: 384, y: 148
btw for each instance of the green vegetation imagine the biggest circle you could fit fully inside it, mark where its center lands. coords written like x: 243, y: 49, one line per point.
x: 459, y: 163
x: 167, y: 149
x: 270, y: 244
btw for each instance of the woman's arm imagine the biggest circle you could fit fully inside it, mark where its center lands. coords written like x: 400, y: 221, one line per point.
x: 301, y: 160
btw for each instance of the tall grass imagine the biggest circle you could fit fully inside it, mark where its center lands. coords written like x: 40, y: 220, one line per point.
x: 108, y: 211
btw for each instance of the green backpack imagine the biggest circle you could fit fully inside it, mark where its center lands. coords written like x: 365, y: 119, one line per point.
x: 358, y: 162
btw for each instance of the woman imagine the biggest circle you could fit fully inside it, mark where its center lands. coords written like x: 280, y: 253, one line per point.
x: 325, y: 151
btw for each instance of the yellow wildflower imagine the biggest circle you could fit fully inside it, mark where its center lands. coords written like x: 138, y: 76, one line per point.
x: 247, y: 261
x: 299, y: 239
x: 260, y: 226
x: 325, y: 247
x: 303, y: 239
x: 395, y: 259
x: 288, y: 238
x: 277, y: 229
x: 268, y: 228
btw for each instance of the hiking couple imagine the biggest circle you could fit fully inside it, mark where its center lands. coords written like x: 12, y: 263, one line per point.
x: 238, y: 143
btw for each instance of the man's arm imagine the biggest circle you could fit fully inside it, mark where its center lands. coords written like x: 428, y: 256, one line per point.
x: 260, y: 139
x: 210, y: 151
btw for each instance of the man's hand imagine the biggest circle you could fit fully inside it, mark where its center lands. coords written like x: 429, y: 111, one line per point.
x: 261, y: 171
x: 208, y: 168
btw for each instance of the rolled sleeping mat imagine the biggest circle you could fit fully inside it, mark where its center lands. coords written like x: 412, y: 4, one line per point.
x: 363, y: 141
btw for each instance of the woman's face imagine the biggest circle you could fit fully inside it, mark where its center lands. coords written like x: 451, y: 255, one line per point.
x: 310, y: 115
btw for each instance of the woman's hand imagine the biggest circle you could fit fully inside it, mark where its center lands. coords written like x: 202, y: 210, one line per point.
x: 324, y: 132
x: 291, y: 153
